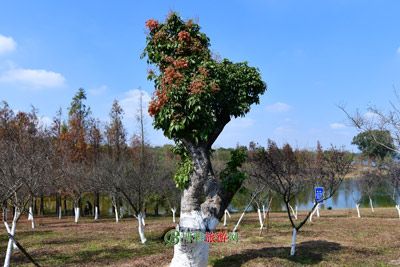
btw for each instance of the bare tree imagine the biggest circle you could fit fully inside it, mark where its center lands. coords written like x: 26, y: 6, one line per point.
x: 289, y: 172
x: 24, y: 162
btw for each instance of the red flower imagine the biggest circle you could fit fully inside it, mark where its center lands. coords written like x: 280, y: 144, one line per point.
x: 181, y: 63
x: 151, y: 24
x: 184, y: 36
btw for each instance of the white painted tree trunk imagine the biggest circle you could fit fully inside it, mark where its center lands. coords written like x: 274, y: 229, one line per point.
x: 10, y: 242
x: 370, y: 203
x: 96, y: 213
x: 30, y: 217
x: 141, y: 228
x: 317, y: 209
x: 293, y: 212
x: 226, y: 213
x: 116, y: 214
x: 59, y: 212
x: 398, y: 209
x: 173, y: 214
x: 237, y: 224
x: 77, y: 214
x: 264, y: 213
x: 313, y: 212
x: 260, y: 219
x: 193, y: 253
x: 293, y: 247
x: 358, y: 210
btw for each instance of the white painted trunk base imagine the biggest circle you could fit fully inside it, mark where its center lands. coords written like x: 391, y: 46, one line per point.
x: 173, y: 214
x: 372, y: 206
x: 196, y: 253
x: 141, y: 228
x: 96, y: 213
x: 264, y: 213
x: 293, y: 211
x: 11, y: 244
x: 398, y: 209
x: 237, y: 224
x: 358, y: 210
x: 30, y: 217
x: 226, y: 213
x: 59, y: 212
x: 260, y: 219
x: 116, y: 214
x: 293, y: 247
x: 313, y: 212
x: 77, y: 214
x: 317, y: 210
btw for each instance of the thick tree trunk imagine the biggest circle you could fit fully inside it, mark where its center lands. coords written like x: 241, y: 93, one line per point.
x: 196, y: 216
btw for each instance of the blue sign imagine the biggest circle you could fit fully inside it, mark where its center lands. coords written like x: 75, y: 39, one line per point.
x: 319, y: 194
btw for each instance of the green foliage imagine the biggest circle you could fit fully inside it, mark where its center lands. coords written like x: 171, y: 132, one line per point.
x: 77, y: 107
x: 195, y: 94
x: 374, y: 143
x: 183, y: 172
x: 231, y: 176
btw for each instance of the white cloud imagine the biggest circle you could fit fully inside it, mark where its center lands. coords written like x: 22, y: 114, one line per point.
x: 337, y: 125
x: 98, y: 90
x: 7, y: 44
x: 130, y: 103
x: 32, y: 78
x: 241, y: 123
x: 278, y: 107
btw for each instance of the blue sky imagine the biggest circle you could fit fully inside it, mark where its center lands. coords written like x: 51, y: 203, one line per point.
x: 313, y: 55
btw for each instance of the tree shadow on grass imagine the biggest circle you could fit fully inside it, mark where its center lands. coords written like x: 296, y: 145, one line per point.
x: 309, y: 252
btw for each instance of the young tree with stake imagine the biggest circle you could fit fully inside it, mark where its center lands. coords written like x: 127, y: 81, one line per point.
x: 289, y: 172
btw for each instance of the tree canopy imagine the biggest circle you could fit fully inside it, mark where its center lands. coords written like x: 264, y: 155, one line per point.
x: 374, y: 143
x: 195, y: 94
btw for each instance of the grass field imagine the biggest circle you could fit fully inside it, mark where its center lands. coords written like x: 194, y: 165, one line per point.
x: 337, y: 238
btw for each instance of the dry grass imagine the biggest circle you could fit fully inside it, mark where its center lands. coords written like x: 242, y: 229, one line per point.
x: 337, y: 238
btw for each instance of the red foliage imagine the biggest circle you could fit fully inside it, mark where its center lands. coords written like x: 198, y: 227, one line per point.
x: 181, y: 63
x: 203, y: 71
x: 196, y: 86
x: 184, y: 36
x: 151, y: 24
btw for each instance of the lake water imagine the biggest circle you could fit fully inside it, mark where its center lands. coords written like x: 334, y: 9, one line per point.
x: 345, y: 197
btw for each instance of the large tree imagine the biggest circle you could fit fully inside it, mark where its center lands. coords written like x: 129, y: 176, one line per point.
x: 374, y: 144
x: 195, y: 97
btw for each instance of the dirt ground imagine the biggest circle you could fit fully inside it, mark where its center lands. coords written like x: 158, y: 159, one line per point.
x: 337, y: 238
